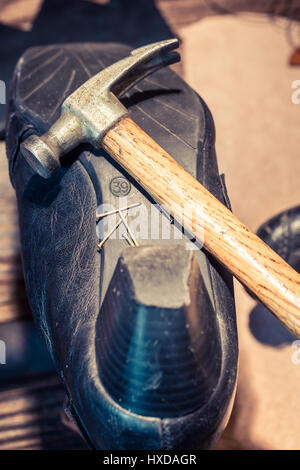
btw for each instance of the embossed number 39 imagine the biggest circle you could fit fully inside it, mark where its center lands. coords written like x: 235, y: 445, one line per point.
x: 119, y: 186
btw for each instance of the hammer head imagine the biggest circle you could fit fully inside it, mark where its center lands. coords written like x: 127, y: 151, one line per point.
x: 94, y: 108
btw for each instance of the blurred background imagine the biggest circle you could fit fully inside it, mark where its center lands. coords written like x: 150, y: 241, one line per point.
x: 242, y: 57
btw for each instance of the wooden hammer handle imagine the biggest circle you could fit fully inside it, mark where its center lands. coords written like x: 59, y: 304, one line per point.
x: 249, y: 259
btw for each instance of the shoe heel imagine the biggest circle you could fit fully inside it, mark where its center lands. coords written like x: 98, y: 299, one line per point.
x: 158, y: 346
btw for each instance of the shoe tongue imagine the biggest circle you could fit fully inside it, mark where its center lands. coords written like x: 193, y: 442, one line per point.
x: 158, y: 347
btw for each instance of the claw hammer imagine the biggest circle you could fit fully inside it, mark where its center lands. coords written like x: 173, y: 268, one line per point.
x: 94, y: 114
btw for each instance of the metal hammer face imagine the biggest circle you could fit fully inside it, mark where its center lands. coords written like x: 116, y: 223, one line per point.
x: 94, y: 108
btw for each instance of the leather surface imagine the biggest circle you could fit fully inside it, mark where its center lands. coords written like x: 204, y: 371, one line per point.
x: 66, y: 278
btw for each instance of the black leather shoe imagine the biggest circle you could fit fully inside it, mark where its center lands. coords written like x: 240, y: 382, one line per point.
x: 143, y: 333
x: 282, y: 234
